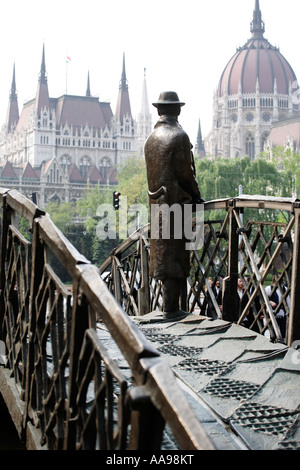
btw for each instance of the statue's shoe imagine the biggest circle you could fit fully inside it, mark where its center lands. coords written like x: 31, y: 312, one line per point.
x: 175, y: 316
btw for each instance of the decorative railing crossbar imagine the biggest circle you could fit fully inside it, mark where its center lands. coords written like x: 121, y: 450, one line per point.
x: 254, y: 250
x: 72, y: 394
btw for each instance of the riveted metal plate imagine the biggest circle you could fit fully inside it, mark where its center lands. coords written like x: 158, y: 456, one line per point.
x: 232, y: 389
x: 289, y: 445
x: 203, y: 366
x: 264, y: 418
x: 159, y: 338
x: 167, y: 344
x: 175, y: 350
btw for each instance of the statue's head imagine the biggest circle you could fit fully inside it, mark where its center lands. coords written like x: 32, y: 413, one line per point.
x: 168, y: 103
x: 168, y: 97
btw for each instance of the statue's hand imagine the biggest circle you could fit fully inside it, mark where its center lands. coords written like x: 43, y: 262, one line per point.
x: 200, y: 201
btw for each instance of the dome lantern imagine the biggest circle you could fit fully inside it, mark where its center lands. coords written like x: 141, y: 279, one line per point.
x: 257, y: 26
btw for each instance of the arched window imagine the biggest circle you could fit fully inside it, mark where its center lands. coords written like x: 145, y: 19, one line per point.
x: 264, y: 140
x: 65, y: 161
x: 84, y: 166
x: 250, y: 146
x: 105, y: 164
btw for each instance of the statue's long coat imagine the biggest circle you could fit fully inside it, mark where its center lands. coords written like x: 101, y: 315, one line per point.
x: 171, y: 180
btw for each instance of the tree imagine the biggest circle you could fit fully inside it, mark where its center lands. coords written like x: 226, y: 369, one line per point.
x: 132, y: 181
x: 87, y: 208
x: 221, y: 178
x: 61, y: 213
x: 288, y: 162
x: 92, y: 198
x: 264, y: 178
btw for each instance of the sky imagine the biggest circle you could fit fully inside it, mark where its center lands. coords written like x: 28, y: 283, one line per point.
x: 183, y: 45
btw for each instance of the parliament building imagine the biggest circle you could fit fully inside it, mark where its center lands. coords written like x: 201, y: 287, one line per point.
x: 56, y: 146
x: 256, y: 103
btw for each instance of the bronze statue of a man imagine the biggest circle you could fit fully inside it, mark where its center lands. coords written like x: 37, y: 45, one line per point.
x: 171, y: 180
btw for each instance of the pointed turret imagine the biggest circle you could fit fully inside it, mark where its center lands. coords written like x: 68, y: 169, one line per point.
x: 257, y: 26
x: 123, y: 105
x: 42, y: 95
x: 144, y: 121
x: 145, y: 102
x: 13, y: 108
x: 200, y: 149
x: 88, y: 89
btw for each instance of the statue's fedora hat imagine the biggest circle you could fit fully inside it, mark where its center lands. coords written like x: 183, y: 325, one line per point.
x: 168, y: 97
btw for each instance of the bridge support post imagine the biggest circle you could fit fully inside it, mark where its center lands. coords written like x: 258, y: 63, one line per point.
x: 117, y: 281
x: 6, y: 220
x: 38, y: 263
x: 80, y: 322
x: 293, y: 332
x: 147, y: 424
x: 144, y: 291
x: 230, y: 304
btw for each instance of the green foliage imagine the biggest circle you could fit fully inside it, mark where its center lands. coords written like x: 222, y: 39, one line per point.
x: 277, y: 176
x: 221, y: 178
x: 25, y: 229
x: 61, y: 214
x: 263, y: 177
x: 87, y: 206
x: 87, y: 209
x: 289, y: 162
x: 81, y: 239
x: 102, y: 248
x: 132, y: 178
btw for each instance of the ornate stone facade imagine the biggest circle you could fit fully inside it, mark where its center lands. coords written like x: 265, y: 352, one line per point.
x: 58, y: 145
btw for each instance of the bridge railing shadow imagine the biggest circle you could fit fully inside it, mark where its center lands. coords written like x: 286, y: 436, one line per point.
x: 63, y: 384
x: 254, y: 238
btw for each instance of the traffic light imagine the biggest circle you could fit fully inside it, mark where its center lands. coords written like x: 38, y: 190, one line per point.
x: 116, y: 200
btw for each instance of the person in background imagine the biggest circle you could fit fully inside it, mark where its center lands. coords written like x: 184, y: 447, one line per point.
x: 275, y: 295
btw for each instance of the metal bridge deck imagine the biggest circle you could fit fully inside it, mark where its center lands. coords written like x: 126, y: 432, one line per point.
x: 244, y: 388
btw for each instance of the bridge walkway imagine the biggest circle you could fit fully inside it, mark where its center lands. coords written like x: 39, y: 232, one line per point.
x: 243, y: 388
x: 55, y: 375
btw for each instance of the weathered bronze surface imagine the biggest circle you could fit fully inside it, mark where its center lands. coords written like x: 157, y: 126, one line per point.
x: 171, y: 180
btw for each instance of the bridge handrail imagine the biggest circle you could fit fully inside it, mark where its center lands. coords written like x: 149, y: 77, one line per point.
x: 254, y: 201
x: 127, y: 268
x: 37, y: 313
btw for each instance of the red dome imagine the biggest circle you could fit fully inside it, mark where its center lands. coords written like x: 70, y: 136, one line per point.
x: 257, y: 59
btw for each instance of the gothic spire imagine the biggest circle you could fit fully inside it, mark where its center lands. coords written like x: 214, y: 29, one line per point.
x: 123, y: 104
x: 12, y: 116
x: 42, y: 95
x: 257, y: 26
x: 88, y: 89
x: 42, y: 76
x: 144, y: 121
x: 200, y: 149
x: 145, y: 103
x: 13, y: 91
x: 123, y: 81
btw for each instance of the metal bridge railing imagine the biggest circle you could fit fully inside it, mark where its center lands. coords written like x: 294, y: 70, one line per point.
x: 59, y: 381
x: 256, y: 238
